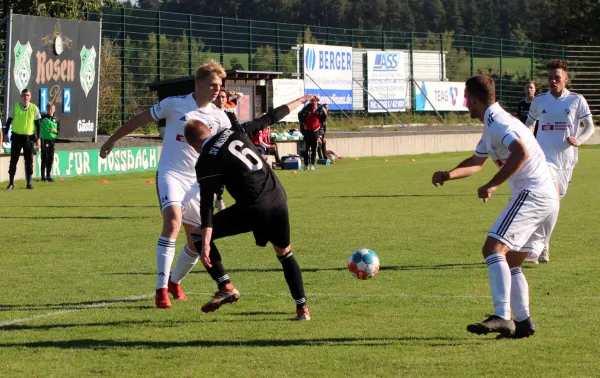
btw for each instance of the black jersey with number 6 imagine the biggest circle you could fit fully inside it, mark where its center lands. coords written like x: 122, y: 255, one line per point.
x: 230, y: 158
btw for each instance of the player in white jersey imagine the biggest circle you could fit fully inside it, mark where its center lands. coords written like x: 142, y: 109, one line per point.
x: 176, y: 185
x: 526, y: 222
x: 559, y: 113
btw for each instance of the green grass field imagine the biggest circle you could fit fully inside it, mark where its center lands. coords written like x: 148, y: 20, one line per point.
x: 78, y: 266
x: 510, y: 65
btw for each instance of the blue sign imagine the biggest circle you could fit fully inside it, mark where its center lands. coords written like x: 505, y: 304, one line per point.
x: 67, y: 100
x: 44, y: 100
x: 328, y: 74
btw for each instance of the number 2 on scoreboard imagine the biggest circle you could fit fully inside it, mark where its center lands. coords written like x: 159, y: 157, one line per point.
x: 67, y: 100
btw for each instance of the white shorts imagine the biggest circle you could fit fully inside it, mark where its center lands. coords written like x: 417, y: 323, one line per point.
x: 562, y: 178
x: 176, y: 190
x: 526, y: 223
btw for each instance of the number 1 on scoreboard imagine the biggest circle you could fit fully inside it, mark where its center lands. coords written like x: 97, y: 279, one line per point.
x: 67, y: 100
x: 43, y: 100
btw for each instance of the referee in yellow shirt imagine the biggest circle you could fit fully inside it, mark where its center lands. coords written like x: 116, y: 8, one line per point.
x: 25, y: 121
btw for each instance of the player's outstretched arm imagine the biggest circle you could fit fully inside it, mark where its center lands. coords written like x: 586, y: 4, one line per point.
x: 466, y: 168
x: 128, y: 127
x: 275, y: 115
x: 586, y: 133
x: 530, y: 123
x: 518, y: 156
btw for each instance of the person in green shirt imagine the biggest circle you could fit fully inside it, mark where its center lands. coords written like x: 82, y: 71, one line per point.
x: 50, y: 127
x: 25, y: 120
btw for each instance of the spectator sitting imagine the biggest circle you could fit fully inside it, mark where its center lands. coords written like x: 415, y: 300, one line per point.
x: 262, y: 142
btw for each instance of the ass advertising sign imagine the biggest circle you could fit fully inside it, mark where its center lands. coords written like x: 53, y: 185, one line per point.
x: 59, y: 62
x: 328, y: 74
x: 385, y: 72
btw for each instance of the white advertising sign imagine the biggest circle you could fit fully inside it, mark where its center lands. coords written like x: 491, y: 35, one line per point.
x: 386, y: 82
x: 443, y: 95
x: 328, y: 74
x: 287, y: 90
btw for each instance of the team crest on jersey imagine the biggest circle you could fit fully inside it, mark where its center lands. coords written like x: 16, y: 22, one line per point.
x: 184, y: 118
x: 544, y: 111
x: 567, y: 111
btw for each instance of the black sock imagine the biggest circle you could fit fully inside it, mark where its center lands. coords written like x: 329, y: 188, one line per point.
x: 11, y: 180
x: 217, y: 272
x: 29, y: 177
x: 293, y: 276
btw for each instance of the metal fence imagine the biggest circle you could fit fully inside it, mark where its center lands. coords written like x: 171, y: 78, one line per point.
x: 139, y: 47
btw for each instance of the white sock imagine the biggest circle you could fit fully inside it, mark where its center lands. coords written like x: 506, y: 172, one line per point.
x: 165, y: 252
x: 519, y: 294
x: 499, y: 276
x: 185, y: 262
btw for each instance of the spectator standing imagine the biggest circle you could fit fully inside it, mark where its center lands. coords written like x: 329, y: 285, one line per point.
x: 311, y: 119
x: 25, y: 121
x: 50, y: 127
x: 524, y: 104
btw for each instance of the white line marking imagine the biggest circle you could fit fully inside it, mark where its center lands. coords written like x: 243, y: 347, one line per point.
x: 309, y: 295
x: 66, y: 311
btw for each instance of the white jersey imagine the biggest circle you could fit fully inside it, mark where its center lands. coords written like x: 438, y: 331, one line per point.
x: 178, y: 156
x: 558, y: 119
x: 500, y: 130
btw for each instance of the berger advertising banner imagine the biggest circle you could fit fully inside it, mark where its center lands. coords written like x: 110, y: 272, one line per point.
x: 287, y: 90
x: 386, y: 81
x: 58, y: 61
x: 87, y: 162
x: 444, y: 95
x: 328, y: 74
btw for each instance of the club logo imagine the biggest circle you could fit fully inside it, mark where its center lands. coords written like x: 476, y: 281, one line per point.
x: 544, y: 111
x: 567, y: 111
x: 87, y: 73
x: 22, y: 67
x: 310, y: 59
x: 386, y: 62
x: 453, y: 95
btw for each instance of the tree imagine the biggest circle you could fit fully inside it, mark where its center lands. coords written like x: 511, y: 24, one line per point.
x: 454, y: 21
x: 70, y: 9
x: 435, y: 16
x: 399, y: 16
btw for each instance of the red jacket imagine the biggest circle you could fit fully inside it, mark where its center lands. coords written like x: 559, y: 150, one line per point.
x: 312, y: 121
x: 263, y: 138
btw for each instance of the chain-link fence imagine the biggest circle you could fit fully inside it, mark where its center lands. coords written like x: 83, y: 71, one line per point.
x: 140, y: 47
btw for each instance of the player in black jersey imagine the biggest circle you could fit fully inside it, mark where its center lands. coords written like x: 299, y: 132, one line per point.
x: 524, y: 104
x: 230, y: 158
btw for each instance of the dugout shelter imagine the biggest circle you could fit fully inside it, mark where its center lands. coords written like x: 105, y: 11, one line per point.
x: 253, y: 84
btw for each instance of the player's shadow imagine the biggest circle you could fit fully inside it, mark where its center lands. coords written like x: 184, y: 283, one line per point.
x: 407, y: 195
x: 84, y: 305
x: 82, y: 206
x: 74, y: 217
x: 441, y: 341
x: 336, y: 269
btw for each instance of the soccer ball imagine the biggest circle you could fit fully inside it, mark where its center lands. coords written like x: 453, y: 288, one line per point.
x: 363, y: 264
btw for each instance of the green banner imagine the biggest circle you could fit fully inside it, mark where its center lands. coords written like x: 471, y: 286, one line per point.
x: 87, y: 162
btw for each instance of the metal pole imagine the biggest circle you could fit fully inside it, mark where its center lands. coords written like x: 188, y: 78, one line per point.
x: 250, y: 47
x: 472, y: 56
x: 95, y: 137
x: 433, y: 107
x: 222, y: 54
x: 501, y: 68
x: 158, y: 47
x: 380, y: 104
x: 326, y: 95
x: 7, y: 70
x: 277, y: 49
x: 532, y: 59
x: 413, y: 101
x: 442, y: 55
x: 190, y: 38
x: 123, y: 75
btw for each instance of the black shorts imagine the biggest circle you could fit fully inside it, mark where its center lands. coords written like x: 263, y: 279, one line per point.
x: 268, y: 223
